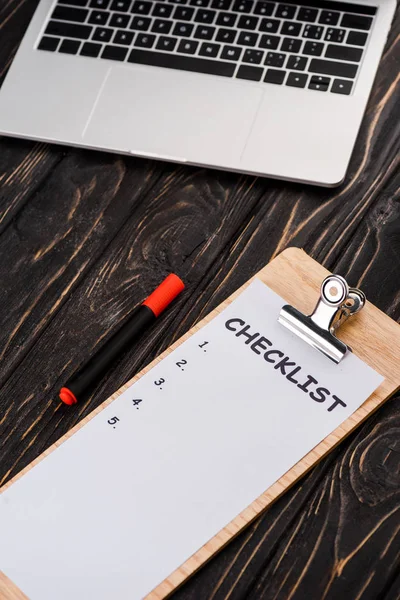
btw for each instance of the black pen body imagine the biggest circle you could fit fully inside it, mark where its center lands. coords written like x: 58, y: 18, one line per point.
x: 142, y: 318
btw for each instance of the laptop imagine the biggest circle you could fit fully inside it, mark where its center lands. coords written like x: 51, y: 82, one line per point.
x: 276, y: 89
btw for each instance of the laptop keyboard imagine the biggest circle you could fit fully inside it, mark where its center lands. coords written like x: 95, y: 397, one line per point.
x: 318, y: 44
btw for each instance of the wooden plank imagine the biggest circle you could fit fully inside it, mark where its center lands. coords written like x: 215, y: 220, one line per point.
x: 374, y: 337
x: 83, y: 204
x: 24, y: 167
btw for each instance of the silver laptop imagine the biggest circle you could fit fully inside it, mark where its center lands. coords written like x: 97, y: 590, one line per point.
x: 270, y: 88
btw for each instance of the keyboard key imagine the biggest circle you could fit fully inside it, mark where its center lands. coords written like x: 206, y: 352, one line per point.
x: 188, y: 46
x: 342, y: 86
x: 250, y: 73
x: 70, y: 30
x: 203, y: 3
x: 357, y: 38
x: 49, y: 43
x: 297, y: 63
x: 210, y: 50
x: 328, y: 17
x: 274, y: 59
x: 343, y: 53
x: 313, y: 48
x: 99, y: 17
x: 140, y: 23
x: 205, y: 16
x: 183, y: 29
x: 65, y: 13
x: 247, y: 39
x: 264, y: 8
x: 253, y: 56
x: 226, y: 35
x: 285, y: 11
x: 313, y: 32
x: 319, y: 83
x: 182, y: 63
x: 69, y: 46
x: 269, y: 25
x: 102, y: 34
x: 298, y: 80
x: 99, y: 3
x: 166, y: 43
x: 123, y: 37
x: 330, y: 67
x: 226, y: 19
x: 291, y: 45
x: 247, y: 22
x: 141, y: 8
x: 356, y: 22
x: 119, y: 20
x: 183, y: 13
x: 221, y: 4
x: 204, y: 32
x: 161, y: 26
x: 162, y: 10
x: 274, y: 76
x: 145, y: 40
x: 291, y: 28
x: 269, y: 41
x: 335, y: 35
x: 114, y: 53
x: 179, y: 1
x: 307, y: 14
x: 244, y: 6
x: 231, y: 53
x: 90, y: 49
x: 121, y: 5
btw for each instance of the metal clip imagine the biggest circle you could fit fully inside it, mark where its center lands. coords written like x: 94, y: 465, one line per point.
x: 336, y: 304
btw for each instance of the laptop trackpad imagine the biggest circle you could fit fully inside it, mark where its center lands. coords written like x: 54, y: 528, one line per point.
x: 173, y: 115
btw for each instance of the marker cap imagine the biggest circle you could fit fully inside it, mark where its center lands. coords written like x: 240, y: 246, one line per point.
x: 164, y: 294
x: 67, y: 396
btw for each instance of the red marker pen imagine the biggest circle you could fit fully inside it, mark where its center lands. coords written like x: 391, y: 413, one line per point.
x: 142, y: 317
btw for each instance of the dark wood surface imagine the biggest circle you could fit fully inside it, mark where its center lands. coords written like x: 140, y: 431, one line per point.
x: 85, y: 235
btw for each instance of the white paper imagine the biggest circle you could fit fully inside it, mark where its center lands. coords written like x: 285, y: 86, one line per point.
x: 118, y: 507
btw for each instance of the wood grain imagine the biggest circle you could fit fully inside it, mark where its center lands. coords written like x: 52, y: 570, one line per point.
x: 9, y: 591
x: 216, y: 230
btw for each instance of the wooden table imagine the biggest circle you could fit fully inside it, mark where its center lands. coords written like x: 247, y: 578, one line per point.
x: 86, y: 235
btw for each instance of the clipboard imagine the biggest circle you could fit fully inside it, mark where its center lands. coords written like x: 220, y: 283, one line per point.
x: 373, y: 337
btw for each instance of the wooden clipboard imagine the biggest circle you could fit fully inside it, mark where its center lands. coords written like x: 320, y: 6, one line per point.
x: 373, y: 337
